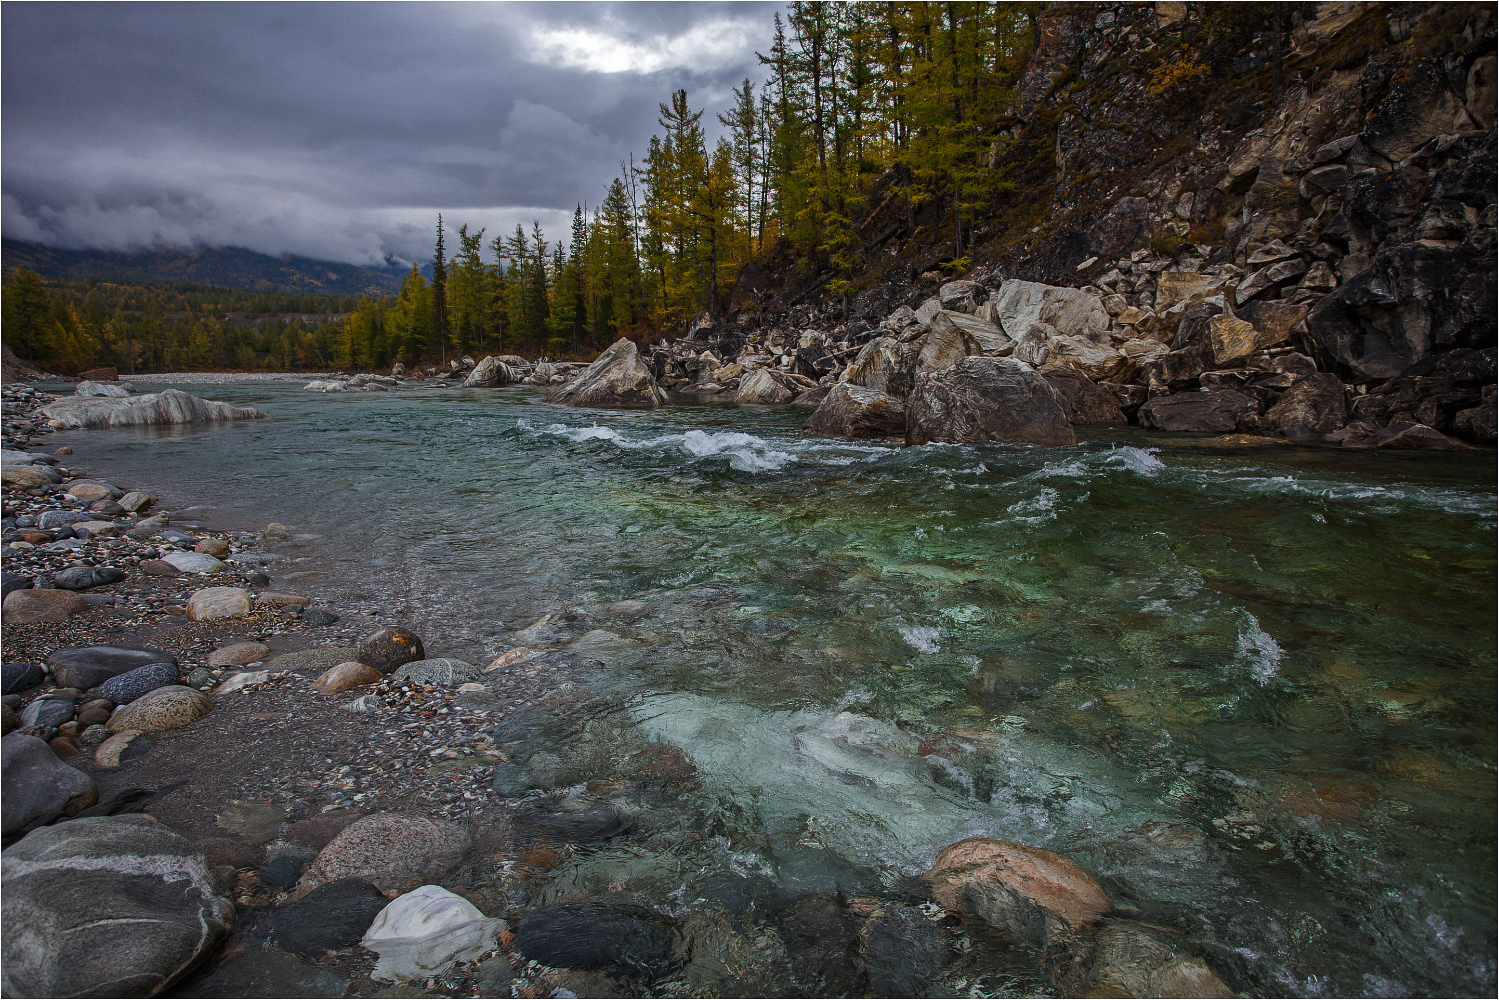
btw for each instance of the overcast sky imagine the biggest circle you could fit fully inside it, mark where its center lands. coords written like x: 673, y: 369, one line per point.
x: 340, y: 130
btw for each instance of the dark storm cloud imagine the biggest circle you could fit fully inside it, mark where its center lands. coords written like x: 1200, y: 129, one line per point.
x: 339, y: 130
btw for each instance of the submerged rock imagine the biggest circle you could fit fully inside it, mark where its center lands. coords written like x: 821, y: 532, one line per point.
x: 984, y: 399
x: 387, y: 648
x: 619, y: 378
x: 35, y: 786
x: 619, y: 939
x: 1029, y: 895
x: 106, y: 906
x: 1132, y: 959
x: 903, y: 951
x: 392, y: 850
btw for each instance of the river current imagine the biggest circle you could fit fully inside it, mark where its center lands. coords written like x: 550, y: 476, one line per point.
x: 1252, y: 690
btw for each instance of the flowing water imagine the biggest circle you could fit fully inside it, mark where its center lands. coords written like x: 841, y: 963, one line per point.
x: 1252, y: 690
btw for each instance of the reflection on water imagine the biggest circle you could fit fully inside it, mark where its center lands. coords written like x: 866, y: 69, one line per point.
x: 1252, y: 690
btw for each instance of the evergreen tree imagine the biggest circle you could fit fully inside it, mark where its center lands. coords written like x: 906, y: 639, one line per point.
x: 440, y: 295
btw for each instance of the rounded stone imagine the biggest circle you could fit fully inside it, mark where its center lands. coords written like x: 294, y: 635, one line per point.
x: 106, y: 906
x: 345, y: 676
x: 162, y: 709
x: 85, y: 577
x: 216, y: 547
x: 29, y: 607
x: 387, y: 648
x: 218, y: 602
x: 127, y: 687
x: 93, y: 735
x: 120, y: 747
x: 37, y: 785
x: 317, y: 616
x: 46, y: 711
x: 64, y: 747
x: 85, y: 667
x: 392, y: 850
x: 437, y: 671
x: 238, y: 654
x: 18, y: 677
x: 158, y: 567
x: 196, y: 562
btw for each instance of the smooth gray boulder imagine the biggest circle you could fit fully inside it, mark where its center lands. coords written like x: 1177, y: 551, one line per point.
x: 108, y: 906
x: 488, y: 374
x: 36, y: 785
x: 983, y: 399
x: 170, y: 406
x: 85, y: 667
x: 619, y: 378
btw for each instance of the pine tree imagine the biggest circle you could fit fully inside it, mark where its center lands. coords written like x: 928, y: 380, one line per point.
x: 440, y: 295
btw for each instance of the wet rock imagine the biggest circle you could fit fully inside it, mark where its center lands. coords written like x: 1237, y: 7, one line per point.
x: 18, y: 677
x: 510, y: 780
x: 1432, y: 391
x: 84, y: 577
x: 86, y: 667
x: 218, y: 602
x: 242, y: 680
x: 330, y: 918
x: 392, y: 850
x: 170, y: 406
x: 1133, y: 959
x: 11, y: 720
x: 123, y: 746
x: 136, y: 501
x: 903, y: 952
x: 65, y: 747
x: 489, y: 373
x: 199, y: 677
x: 618, y: 939
x: 163, y: 709
x: 196, y: 562
x: 1029, y: 895
x: 25, y: 477
x: 256, y: 822
x: 238, y: 654
x: 35, y: 785
x: 1478, y: 423
x: 822, y: 937
x: 132, y: 684
x: 345, y: 676
x: 595, y: 823
x: 986, y: 399
x: 1085, y: 403
x: 216, y: 547
x: 158, y: 567
x: 446, y: 672
x: 619, y: 378
x: 106, y: 906
x: 93, y: 735
x: 855, y: 411
x: 387, y: 648
x: 46, y: 712
x: 283, y: 869
x: 318, y: 617
x: 1312, y: 408
x: 29, y: 607
x: 318, y: 659
x: 1203, y: 412
x: 427, y: 931
x: 10, y: 582
x: 1419, y: 437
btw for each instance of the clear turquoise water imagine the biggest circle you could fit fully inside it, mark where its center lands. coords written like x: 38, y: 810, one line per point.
x: 871, y: 651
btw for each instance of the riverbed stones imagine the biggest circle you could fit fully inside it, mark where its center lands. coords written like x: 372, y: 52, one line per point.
x: 9, y: 720
x: 218, y: 602
x: 389, y: 647
x: 158, y: 567
x: 345, y: 676
x: 856, y: 411
x: 82, y: 489
x: 1029, y: 895
x: 427, y: 931
x: 86, y: 577
x: 46, y: 712
x: 196, y: 562
x: 132, y: 684
x: 108, y: 906
x: 242, y: 680
x: 164, y: 708
x: 443, y: 671
x: 85, y: 667
x: 216, y: 547
x: 609, y: 937
x: 619, y: 378
x: 277, y: 599
x: 25, y: 477
x: 18, y: 677
x: 11, y: 582
x: 37, y: 605
x: 314, y: 660
x: 330, y: 918
x: 982, y: 399
x: 135, y: 501
x: 238, y: 654
x: 35, y: 785
x: 1133, y: 959
x: 392, y: 850
x: 256, y: 822
x: 123, y: 746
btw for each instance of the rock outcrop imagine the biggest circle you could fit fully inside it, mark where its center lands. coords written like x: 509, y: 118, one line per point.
x: 856, y: 411
x: 170, y: 406
x: 983, y: 400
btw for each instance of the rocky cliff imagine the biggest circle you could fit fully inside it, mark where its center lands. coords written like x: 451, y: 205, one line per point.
x: 1208, y: 230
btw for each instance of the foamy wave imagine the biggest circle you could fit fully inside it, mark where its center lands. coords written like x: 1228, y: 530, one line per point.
x: 1137, y: 460
x: 1258, y: 651
x: 745, y: 452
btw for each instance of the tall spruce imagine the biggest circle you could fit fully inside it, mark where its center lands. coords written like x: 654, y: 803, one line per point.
x: 440, y: 294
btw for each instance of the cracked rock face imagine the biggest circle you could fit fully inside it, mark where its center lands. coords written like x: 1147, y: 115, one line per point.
x: 986, y: 399
x: 619, y: 378
x: 106, y: 906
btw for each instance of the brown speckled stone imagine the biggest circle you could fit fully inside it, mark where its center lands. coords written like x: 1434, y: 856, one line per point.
x: 27, y: 607
x: 345, y: 676
x: 162, y: 709
x: 238, y: 654
x: 108, y: 754
x: 392, y: 850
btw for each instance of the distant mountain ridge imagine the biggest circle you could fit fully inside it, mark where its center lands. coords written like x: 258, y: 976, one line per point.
x: 225, y: 267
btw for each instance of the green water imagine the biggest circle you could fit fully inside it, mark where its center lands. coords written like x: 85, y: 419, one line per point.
x: 870, y: 652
